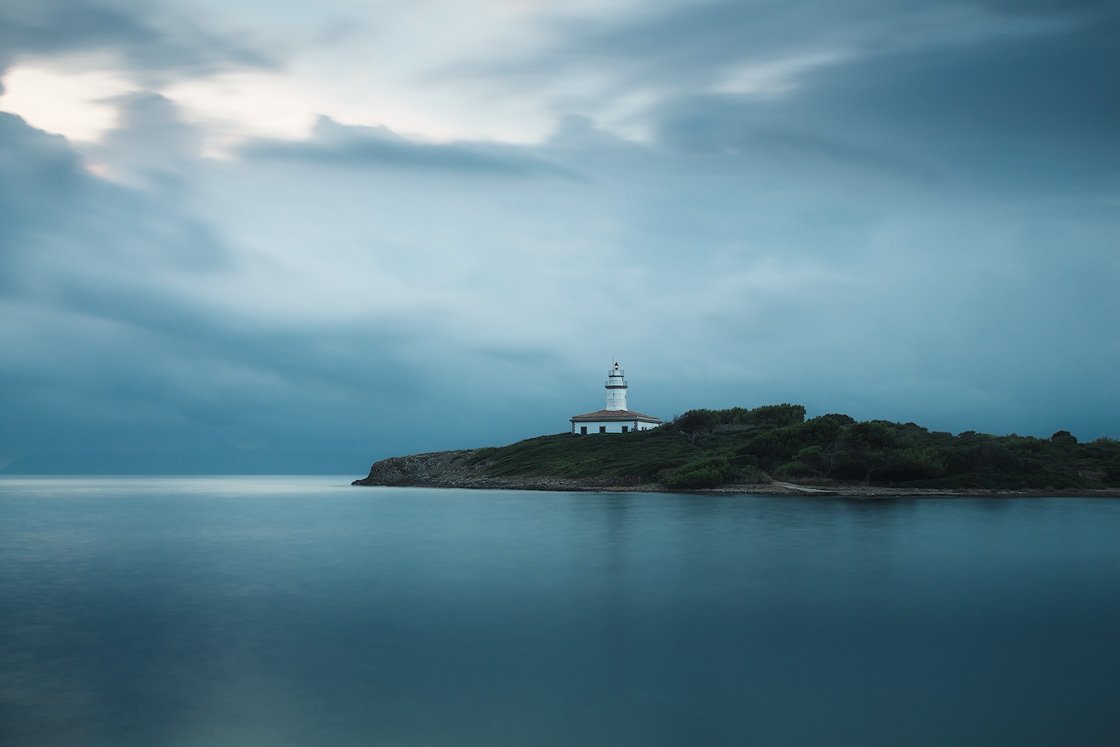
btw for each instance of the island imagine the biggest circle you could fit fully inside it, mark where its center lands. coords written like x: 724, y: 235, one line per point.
x: 774, y: 450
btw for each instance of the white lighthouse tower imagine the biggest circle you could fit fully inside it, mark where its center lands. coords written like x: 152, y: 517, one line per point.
x: 616, y: 417
x: 616, y: 388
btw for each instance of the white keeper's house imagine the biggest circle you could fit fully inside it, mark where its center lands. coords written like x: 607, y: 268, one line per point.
x: 615, y: 418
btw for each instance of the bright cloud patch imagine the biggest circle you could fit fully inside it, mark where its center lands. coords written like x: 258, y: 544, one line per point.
x: 67, y: 100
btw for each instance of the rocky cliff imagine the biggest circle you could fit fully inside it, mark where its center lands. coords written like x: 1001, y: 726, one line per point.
x: 465, y: 469
x: 444, y: 469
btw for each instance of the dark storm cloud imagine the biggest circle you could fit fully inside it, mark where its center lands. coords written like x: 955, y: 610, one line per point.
x: 691, y: 41
x: 110, y: 359
x: 57, y: 220
x: 983, y: 76
x: 119, y: 358
x: 333, y: 144
x: 1077, y: 8
x: 1044, y: 87
x: 1021, y: 110
x: 38, y: 176
x: 768, y: 136
x: 68, y: 235
x: 217, y: 353
x: 695, y: 44
x: 149, y: 41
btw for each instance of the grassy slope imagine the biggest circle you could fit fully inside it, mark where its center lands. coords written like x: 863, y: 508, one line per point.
x: 694, y: 451
x: 639, y: 456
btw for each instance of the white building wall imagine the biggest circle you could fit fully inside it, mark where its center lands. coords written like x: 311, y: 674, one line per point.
x: 612, y: 426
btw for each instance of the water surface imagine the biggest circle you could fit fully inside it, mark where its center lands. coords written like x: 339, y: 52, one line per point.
x: 299, y: 611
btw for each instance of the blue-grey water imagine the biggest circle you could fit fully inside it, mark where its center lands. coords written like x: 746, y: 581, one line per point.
x: 302, y: 611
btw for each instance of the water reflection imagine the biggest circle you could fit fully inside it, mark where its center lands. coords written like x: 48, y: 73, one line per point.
x: 302, y: 611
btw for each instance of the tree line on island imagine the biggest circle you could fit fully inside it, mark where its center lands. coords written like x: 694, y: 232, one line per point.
x: 708, y: 448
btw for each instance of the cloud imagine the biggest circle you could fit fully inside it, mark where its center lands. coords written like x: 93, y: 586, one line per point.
x: 769, y: 53
x: 1021, y: 112
x: 61, y: 221
x: 152, y: 145
x: 37, y: 175
x: 140, y: 335
x: 897, y: 210
x: 145, y: 39
x: 338, y: 145
x: 115, y: 357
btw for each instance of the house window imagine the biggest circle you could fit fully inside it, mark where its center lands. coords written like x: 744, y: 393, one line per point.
x: 583, y: 430
x: 602, y: 429
x: 625, y: 429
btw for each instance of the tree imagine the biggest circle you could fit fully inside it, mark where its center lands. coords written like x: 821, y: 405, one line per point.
x: 1063, y: 438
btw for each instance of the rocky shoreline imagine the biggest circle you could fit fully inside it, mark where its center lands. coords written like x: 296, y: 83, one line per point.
x: 464, y: 469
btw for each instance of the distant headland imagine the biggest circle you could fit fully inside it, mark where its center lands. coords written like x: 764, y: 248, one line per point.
x: 774, y: 450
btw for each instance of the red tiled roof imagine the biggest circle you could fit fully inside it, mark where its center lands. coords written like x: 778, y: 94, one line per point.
x: 615, y: 415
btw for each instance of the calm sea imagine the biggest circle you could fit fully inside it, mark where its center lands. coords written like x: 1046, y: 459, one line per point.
x: 301, y: 611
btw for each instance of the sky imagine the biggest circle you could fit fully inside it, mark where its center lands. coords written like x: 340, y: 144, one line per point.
x: 250, y: 236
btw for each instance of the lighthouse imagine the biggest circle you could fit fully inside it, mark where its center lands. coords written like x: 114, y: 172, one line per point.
x: 616, y: 417
x: 616, y: 388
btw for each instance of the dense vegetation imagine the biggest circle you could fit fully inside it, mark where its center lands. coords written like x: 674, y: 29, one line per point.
x: 707, y: 448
